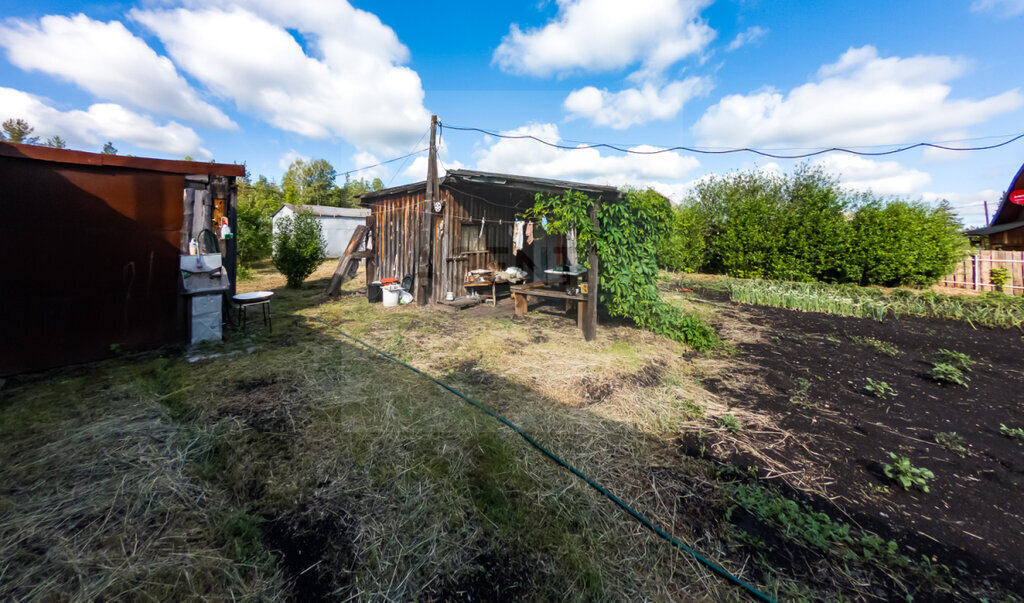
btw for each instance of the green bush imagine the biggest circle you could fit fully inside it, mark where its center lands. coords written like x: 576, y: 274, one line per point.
x: 627, y: 243
x: 299, y: 247
x: 805, y: 227
x: 257, y: 202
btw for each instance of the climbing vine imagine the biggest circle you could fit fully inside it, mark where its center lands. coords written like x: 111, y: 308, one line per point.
x: 627, y: 242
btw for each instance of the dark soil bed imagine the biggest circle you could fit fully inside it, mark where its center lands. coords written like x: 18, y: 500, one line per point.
x: 816, y: 366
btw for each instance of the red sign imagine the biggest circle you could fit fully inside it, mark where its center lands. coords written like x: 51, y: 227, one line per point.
x: 1017, y: 197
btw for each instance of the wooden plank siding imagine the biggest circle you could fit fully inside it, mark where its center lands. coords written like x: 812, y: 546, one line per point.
x: 394, y: 226
x: 395, y: 220
x: 974, y: 272
x: 463, y: 211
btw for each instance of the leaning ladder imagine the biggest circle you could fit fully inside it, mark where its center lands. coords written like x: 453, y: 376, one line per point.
x: 349, y: 262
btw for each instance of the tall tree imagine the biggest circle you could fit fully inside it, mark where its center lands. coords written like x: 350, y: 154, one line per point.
x: 56, y: 142
x: 18, y: 130
x: 109, y: 148
x: 310, y: 182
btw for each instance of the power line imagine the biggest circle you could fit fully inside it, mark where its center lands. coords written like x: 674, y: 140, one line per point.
x: 727, y: 151
x: 407, y: 155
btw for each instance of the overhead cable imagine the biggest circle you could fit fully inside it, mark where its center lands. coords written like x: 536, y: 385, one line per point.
x: 762, y: 153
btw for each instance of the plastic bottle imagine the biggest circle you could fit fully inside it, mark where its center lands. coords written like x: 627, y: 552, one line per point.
x: 193, y: 247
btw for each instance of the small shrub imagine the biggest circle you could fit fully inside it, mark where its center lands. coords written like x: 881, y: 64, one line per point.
x: 945, y: 373
x: 906, y: 474
x: 798, y: 395
x: 958, y: 359
x: 299, y: 247
x: 999, y: 277
x: 882, y: 347
x: 879, y: 389
x: 1011, y: 432
x: 952, y: 442
x: 730, y: 423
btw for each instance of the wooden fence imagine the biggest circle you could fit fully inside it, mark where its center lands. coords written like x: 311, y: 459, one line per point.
x: 975, y: 271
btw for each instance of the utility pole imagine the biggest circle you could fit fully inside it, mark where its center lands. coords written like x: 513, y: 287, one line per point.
x: 426, y: 224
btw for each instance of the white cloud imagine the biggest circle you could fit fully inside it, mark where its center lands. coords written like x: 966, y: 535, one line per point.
x: 1009, y: 8
x: 880, y: 177
x: 289, y: 158
x: 101, y: 122
x: 524, y: 156
x: 417, y: 170
x: 969, y: 206
x: 350, y: 83
x: 860, y: 100
x: 752, y: 34
x: 632, y: 106
x: 602, y: 35
x: 106, y: 60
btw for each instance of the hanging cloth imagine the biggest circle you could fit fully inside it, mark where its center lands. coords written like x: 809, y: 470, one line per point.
x: 570, y: 247
x: 529, y: 233
x: 482, y: 222
x: 517, y: 237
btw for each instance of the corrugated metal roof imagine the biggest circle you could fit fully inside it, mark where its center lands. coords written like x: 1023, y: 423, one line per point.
x: 41, y: 153
x: 497, y: 179
x: 994, y: 229
x: 328, y: 211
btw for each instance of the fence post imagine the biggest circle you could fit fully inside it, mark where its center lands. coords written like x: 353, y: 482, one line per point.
x: 974, y: 262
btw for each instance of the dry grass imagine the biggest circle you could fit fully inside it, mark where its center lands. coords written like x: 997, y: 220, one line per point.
x: 365, y: 480
x: 100, y: 504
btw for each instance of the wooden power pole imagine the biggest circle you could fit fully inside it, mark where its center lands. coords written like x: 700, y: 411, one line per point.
x: 426, y: 216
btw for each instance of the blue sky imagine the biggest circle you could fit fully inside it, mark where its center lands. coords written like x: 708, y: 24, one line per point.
x: 263, y: 82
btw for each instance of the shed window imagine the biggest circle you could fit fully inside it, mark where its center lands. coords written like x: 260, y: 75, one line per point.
x: 472, y: 241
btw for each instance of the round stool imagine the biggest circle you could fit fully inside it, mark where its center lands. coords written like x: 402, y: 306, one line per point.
x: 254, y: 298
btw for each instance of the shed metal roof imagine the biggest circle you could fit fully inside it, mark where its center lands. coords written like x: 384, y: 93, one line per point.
x: 328, y: 211
x: 41, y: 153
x: 988, y: 230
x: 529, y: 183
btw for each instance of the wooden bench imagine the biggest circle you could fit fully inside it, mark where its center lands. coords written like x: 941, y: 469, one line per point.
x: 522, y: 293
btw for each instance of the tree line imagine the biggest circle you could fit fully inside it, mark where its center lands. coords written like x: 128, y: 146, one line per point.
x: 805, y: 227
x: 19, y: 131
x: 306, y: 182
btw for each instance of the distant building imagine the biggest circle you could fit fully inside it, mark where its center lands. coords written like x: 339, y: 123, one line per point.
x: 338, y: 223
x: 1006, y: 230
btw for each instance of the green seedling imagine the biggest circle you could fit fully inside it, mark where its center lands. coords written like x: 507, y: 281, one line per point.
x: 879, y: 389
x: 943, y: 372
x: 958, y: 359
x: 881, y: 347
x: 952, y: 442
x: 1016, y: 433
x: 730, y: 423
x: 906, y: 474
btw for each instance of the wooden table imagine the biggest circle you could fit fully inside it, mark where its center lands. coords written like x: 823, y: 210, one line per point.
x: 495, y: 286
x: 522, y: 293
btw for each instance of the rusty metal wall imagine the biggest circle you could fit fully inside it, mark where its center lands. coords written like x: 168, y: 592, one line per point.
x: 90, y: 257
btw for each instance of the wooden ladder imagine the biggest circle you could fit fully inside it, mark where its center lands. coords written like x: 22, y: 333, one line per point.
x: 349, y: 262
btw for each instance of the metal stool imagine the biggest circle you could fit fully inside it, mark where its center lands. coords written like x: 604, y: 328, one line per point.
x: 254, y: 298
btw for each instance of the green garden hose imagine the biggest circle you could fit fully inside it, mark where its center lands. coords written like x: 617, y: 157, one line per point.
x: 718, y: 569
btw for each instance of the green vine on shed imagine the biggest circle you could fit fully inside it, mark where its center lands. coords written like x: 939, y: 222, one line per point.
x: 627, y: 242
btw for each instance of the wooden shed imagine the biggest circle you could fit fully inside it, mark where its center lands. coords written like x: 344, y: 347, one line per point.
x: 468, y: 227
x: 1006, y: 230
x: 91, y: 246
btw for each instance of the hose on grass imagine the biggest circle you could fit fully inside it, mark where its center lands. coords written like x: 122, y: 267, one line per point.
x: 711, y: 565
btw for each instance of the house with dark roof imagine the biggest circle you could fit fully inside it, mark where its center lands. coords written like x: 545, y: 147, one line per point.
x: 1006, y: 230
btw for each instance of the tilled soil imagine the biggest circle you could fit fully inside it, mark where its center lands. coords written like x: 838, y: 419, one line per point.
x: 812, y: 369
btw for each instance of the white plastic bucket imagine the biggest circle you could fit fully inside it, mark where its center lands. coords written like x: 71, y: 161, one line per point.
x: 391, y: 294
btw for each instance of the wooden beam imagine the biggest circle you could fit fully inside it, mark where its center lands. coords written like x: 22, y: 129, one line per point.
x: 589, y: 311
x: 425, y: 215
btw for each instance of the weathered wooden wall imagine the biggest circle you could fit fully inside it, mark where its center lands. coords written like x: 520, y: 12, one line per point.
x: 464, y: 211
x: 394, y: 223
